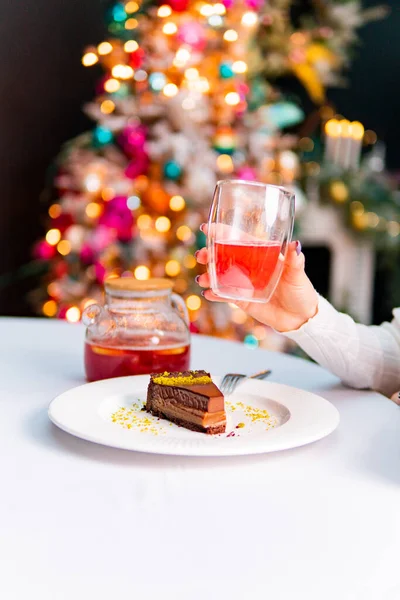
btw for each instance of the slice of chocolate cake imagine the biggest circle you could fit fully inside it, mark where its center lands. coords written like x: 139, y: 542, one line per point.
x: 189, y: 399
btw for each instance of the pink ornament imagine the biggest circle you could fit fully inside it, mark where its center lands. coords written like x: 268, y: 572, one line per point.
x: 138, y: 165
x: 228, y: 3
x: 247, y: 173
x: 118, y: 217
x: 86, y: 254
x: 100, y: 272
x: 132, y: 139
x: 43, y: 251
x: 62, y: 312
x: 193, y: 34
x: 255, y: 4
x: 194, y: 328
x: 101, y: 238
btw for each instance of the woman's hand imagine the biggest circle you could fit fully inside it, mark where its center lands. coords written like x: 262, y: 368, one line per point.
x: 293, y: 303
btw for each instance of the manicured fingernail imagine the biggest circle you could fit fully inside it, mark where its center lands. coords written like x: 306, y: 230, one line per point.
x: 196, y: 253
x: 202, y: 227
x: 298, y: 248
x: 197, y: 278
x: 203, y: 292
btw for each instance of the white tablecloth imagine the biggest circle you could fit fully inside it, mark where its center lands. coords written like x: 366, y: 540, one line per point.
x: 81, y: 521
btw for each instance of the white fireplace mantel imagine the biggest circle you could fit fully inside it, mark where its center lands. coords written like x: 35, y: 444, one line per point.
x: 353, y: 260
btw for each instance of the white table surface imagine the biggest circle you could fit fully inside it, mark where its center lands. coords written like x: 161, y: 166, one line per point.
x: 81, y: 521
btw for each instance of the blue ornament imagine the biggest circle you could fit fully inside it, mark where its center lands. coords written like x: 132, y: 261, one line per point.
x: 172, y: 170
x: 118, y: 12
x: 251, y: 341
x: 102, y: 136
x: 123, y: 91
x: 225, y: 70
x: 201, y: 240
x: 157, y: 81
x: 284, y: 114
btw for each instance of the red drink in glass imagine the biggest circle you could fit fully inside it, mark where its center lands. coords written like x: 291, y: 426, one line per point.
x: 245, y: 265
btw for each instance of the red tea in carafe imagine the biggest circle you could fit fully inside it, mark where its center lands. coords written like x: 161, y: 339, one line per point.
x: 105, y: 361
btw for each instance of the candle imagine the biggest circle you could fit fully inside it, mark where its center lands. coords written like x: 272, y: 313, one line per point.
x: 357, y: 135
x: 332, y: 132
x: 343, y: 141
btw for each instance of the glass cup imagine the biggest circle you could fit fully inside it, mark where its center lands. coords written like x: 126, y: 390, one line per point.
x: 249, y: 228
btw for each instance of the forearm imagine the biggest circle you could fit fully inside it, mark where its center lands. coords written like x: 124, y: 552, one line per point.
x: 363, y: 357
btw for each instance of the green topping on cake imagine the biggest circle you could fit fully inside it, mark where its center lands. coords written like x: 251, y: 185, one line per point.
x: 184, y: 379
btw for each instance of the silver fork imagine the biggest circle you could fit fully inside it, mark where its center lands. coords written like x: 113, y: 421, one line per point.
x: 232, y: 380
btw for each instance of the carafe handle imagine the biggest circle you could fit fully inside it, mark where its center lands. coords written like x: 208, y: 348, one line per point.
x: 179, y: 304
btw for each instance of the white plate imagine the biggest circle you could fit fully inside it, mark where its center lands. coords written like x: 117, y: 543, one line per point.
x: 270, y: 416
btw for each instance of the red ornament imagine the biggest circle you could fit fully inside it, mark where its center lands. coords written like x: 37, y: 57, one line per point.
x: 177, y: 5
x: 137, y: 58
x: 44, y: 251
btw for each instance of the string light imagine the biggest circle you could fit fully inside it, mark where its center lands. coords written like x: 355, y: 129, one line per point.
x: 239, y: 66
x: 131, y: 46
x: 191, y: 74
x: 230, y: 35
x: 357, y: 208
x: 225, y: 163
x: 53, y: 236
x: 232, y: 98
x: 122, y: 71
x: 107, y: 107
x: 140, y: 75
x: 201, y: 85
x: 164, y: 11
x: 219, y: 9
x: 64, y: 247
x: 177, y: 203
x: 207, y: 10
x: 131, y: 7
x: 181, y: 57
x: 249, y: 19
x: 88, y: 302
x: 193, y: 302
x: 92, y: 182
x: 170, y: 90
x: 55, y: 211
x: 107, y: 194
x: 133, y: 202
x: 170, y: 28
x: 144, y: 222
x: 172, y: 268
x: 142, y: 272
x: 112, y: 85
x: 131, y: 24
x: 93, y: 210
x: 163, y: 224
x: 89, y: 59
x: 373, y: 219
x: 104, y: 48
x: 239, y: 316
x: 215, y: 21
x: 189, y: 261
x: 393, y: 228
x: 73, y: 314
x: 49, y: 308
x: 184, y: 233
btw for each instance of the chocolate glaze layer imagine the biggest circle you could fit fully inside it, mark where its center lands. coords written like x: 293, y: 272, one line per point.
x: 205, y: 396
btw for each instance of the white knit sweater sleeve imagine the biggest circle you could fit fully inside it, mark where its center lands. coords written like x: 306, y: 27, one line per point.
x: 363, y: 357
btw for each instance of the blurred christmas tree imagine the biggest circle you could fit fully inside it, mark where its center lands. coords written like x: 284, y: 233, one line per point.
x: 185, y: 100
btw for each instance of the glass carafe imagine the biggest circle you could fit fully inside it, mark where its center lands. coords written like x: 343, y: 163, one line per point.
x: 142, y: 328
